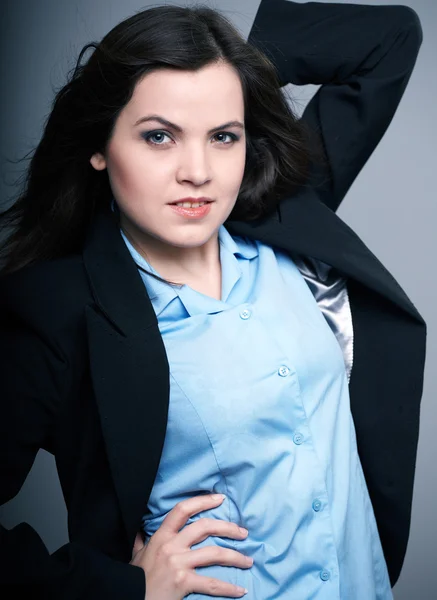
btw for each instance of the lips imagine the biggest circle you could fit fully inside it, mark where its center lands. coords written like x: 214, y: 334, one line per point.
x: 198, y: 211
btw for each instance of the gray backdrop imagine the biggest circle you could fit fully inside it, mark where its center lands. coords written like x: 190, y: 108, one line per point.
x: 392, y: 206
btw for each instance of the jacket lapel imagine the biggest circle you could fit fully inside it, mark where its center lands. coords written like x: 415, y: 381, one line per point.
x: 129, y: 369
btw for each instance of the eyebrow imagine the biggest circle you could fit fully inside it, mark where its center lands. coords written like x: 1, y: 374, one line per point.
x: 171, y: 125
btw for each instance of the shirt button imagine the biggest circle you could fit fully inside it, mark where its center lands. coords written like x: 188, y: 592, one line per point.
x: 325, y: 575
x: 298, y: 438
x: 245, y: 313
x: 283, y: 371
x: 317, y: 505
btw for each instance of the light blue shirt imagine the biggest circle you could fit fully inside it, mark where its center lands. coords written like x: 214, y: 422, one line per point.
x: 259, y: 411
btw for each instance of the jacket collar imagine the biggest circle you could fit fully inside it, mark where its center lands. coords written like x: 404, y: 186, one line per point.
x: 115, y: 282
x: 307, y: 227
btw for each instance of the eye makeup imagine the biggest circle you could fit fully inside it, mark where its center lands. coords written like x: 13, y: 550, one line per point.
x: 148, y: 135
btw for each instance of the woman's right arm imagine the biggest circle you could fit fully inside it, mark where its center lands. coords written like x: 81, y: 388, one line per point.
x: 36, y: 375
x: 361, y: 56
x: 34, y: 378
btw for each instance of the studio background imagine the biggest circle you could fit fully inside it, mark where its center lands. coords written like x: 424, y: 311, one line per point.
x: 392, y: 206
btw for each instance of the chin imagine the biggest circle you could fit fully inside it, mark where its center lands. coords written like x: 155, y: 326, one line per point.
x: 195, y: 237
x: 191, y: 242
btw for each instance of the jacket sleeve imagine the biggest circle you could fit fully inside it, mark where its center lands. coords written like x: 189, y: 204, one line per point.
x: 362, y: 57
x: 34, y: 377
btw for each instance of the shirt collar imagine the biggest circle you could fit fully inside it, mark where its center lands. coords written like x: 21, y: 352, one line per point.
x: 162, y: 294
x: 237, y: 245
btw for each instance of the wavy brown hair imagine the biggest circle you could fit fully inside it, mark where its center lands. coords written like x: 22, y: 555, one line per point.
x: 62, y: 192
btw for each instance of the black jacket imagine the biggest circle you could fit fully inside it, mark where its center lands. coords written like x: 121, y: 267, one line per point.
x: 79, y: 340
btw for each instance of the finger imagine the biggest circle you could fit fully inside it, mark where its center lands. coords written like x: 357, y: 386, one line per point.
x: 138, y: 543
x: 201, y: 584
x: 179, y: 514
x: 214, y: 555
x: 204, y: 527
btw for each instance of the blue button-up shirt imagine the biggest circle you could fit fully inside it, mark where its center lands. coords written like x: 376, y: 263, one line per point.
x: 259, y: 411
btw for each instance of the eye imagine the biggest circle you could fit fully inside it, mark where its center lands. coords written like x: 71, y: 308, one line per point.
x: 155, y: 138
x: 152, y: 134
x: 234, y: 138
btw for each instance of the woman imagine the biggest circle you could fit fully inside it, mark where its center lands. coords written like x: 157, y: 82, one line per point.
x: 183, y: 314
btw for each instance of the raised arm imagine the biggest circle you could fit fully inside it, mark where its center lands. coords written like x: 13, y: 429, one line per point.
x: 362, y: 55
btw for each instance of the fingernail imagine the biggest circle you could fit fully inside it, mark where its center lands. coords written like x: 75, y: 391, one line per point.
x: 242, y: 590
x: 243, y: 530
x: 218, y: 496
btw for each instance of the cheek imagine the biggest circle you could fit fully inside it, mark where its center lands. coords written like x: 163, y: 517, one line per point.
x: 130, y: 175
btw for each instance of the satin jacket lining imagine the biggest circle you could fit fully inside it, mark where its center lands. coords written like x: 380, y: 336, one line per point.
x: 330, y: 291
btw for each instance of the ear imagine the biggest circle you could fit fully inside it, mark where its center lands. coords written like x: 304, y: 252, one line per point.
x: 98, y: 161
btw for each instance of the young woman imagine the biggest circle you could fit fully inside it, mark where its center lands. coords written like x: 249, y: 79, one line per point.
x: 183, y: 314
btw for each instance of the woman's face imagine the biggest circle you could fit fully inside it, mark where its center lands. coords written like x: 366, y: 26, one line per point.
x: 151, y: 164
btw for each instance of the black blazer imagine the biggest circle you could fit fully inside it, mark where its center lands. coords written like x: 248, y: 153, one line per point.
x: 79, y: 338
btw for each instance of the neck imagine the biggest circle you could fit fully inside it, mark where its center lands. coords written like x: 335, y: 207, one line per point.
x: 180, y: 265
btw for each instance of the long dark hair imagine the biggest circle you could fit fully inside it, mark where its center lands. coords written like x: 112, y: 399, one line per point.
x: 62, y: 191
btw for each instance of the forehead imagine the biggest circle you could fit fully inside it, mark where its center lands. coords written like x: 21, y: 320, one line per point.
x: 214, y: 91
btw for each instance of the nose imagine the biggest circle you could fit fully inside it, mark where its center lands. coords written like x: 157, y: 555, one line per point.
x: 194, y: 165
